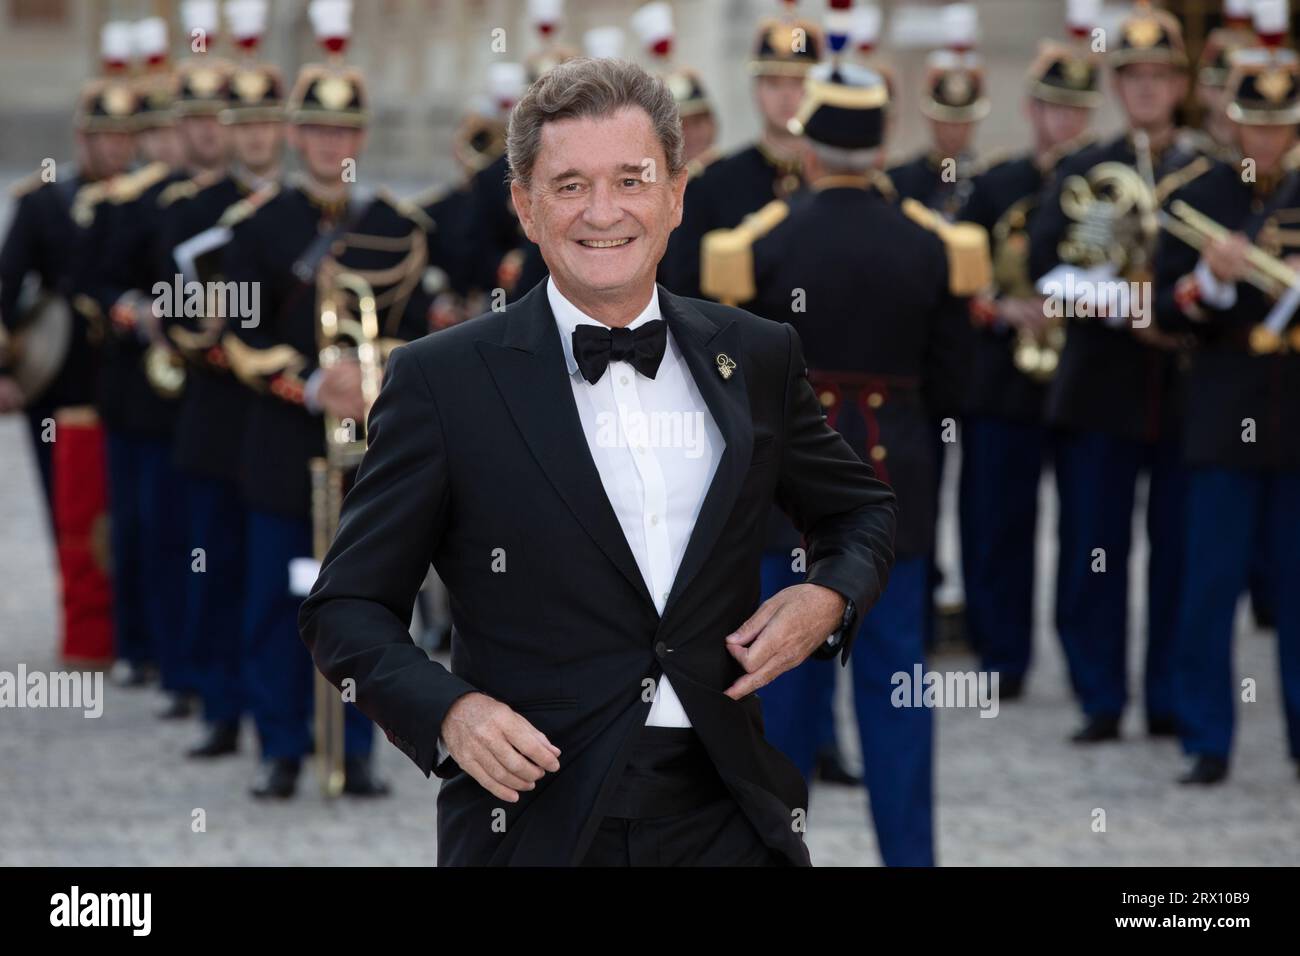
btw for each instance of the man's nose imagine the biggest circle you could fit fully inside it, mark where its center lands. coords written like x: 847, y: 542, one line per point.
x: 603, y: 210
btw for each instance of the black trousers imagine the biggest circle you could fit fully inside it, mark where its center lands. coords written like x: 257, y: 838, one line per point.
x: 672, y: 809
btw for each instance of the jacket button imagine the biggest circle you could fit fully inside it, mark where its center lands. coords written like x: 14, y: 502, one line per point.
x: 661, y: 649
x: 878, y: 452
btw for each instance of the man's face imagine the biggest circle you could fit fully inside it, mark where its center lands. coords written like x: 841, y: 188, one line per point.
x: 600, y: 202
x: 161, y: 144
x: 1149, y: 92
x: 951, y: 139
x: 107, y: 154
x: 1266, y: 145
x: 205, y: 140
x: 699, y: 132
x: 326, y: 149
x: 1056, y: 123
x: 257, y: 145
x: 1213, y: 99
x: 778, y: 99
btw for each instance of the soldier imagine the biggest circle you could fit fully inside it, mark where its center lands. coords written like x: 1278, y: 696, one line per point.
x: 1004, y: 441
x: 1215, y: 137
x: 140, y: 377
x: 50, y: 372
x: 213, y: 410
x: 1243, y: 414
x: 503, y: 256
x: 41, y: 232
x: 745, y: 181
x: 479, y: 142
x: 653, y: 24
x: 1114, y: 396
x: 953, y: 103
x: 873, y: 295
x: 292, y: 246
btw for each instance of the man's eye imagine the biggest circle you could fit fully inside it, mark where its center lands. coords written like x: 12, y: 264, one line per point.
x: 632, y: 182
x: 570, y: 187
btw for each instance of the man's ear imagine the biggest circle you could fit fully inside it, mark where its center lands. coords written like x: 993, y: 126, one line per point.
x: 678, y: 184
x: 523, y: 201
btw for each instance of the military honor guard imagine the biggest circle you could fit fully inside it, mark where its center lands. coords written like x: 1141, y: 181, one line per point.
x: 745, y: 181
x: 213, y: 410
x: 338, y: 278
x: 954, y: 103
x: 1013, y: 358
x: 874, y: 294
x: 140, y: 378
x: 45, y: 356
x: 1227, y: 274
x: 47, y: 363
x: 1114, y: 398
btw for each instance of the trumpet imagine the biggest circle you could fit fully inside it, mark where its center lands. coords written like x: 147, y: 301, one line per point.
x: 1267, y: 273
x: 339, y: 338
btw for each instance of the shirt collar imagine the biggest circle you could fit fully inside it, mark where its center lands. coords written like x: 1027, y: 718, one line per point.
x: 568, y: 317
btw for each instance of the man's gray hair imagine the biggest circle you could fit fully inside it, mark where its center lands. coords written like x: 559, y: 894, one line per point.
x: 836, y: 160
x: 583, y: 87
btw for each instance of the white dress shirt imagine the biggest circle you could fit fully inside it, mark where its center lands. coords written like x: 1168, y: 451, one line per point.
x: 656, y: 447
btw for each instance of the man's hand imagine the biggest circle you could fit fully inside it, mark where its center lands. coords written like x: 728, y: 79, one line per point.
x: 1028, y: 313
x: 11, y: 396
x: 1226, y: 257
x: 340, y: 391
x: 780, y: 635
x: 496, y: 746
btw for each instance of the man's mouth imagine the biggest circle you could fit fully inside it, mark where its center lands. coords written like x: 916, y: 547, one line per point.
x: 604, y: 243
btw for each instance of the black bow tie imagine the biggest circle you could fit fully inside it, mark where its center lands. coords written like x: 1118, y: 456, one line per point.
x: 595, y: 346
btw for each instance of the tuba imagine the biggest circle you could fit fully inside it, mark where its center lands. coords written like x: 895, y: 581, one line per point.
x: 340, y: 338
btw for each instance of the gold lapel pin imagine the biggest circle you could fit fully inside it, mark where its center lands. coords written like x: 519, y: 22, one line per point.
x: 725, y: 365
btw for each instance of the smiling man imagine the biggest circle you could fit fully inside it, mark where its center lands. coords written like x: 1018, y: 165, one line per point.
x: 600, y: 704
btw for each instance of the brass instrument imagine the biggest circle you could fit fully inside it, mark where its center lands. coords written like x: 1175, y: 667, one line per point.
x: 1036, y: 355
x: 341, y: 338
x: 40, y: 345
x: 1114, y: 211
x: 165, y: 370
x: 1265, y: 272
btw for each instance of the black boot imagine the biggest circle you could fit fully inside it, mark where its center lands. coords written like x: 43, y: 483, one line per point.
x: 179, y: 706
x: 278, y: 778
x: 1162, y: 727
x: 1206, y: 770
x: 830, y: 768
x: 359, y: 781
x: 221, y: 738
x: 1010, y: 688
x: 133, y: 676
x: 1097, y: 729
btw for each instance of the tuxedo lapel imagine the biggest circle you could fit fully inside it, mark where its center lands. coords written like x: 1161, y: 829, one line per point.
x: 701, y: 342
x: 530, y: 372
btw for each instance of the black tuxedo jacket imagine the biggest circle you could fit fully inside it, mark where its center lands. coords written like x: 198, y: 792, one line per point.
x: 478, y: 463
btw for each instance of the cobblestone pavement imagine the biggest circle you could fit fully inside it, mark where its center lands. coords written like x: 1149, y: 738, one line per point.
x: 117, y: 790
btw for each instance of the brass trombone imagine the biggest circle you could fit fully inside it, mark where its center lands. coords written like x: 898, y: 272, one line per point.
x: 340, y: 339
